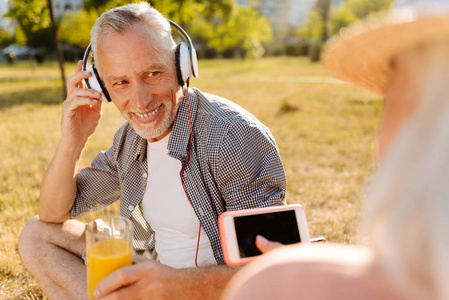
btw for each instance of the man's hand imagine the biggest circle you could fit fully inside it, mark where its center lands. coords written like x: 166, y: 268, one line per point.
x: 143, y: 280
x: 148, y: 279
x: 81, y: 110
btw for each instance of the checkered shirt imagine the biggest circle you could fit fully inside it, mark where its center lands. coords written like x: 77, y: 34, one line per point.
x: 234, y: 164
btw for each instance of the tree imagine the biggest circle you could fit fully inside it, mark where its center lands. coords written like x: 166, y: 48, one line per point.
x: 237, y: 32
x: 353, y: 10
x: 323, y: 8
x: 31, y: 15
x: 58, y: 48
x: 185, y: 11
x: 341, y: 17
x: 364, y: 8
x: 311, y: 33
x: 5, y: 38
x: 321, y: 24
x: 75, y: 27
x: 180, y: 11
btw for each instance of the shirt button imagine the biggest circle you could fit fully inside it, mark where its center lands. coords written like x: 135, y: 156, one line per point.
x: 144, y: 175
x: 130, y: 208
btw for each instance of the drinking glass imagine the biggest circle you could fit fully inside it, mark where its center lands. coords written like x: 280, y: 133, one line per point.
x: 108, y: 248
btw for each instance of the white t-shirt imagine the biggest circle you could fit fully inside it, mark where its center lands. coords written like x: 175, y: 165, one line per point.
x: 169, y: 213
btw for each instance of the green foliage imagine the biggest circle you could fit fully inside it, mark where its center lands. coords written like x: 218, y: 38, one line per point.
x: 238, y: 32
x: 5, y: 38
x: 201, y: 31
x: 19, y: 37
x: 31, y: 15
x: 75, y: 27
x: 180, y: 11
x: 215, y: 24
x: 43, y: 38
x: 312, y: 29
x: 185, y: 11
x: 363, y: 8
x: 115, y: 3
x: 95, y: 4
x: 311, y: 32
x: 353, y: 10
x: 341, y: 17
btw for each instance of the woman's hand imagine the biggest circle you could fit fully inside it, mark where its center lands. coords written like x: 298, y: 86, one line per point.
x: 265, y: 245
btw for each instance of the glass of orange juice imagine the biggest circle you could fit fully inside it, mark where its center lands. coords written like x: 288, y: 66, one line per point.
x: 108, y: 248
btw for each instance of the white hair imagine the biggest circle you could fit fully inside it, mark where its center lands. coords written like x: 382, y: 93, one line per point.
x: 119, y: 19
x: 406, y: 214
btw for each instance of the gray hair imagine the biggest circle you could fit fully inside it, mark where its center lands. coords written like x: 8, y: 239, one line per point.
x: 119, y: 19
x: 406, y: 215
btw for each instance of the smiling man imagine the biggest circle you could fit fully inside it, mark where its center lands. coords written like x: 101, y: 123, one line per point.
x: 181, y: 159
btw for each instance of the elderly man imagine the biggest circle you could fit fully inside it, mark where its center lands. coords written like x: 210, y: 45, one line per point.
x: 181, y: 159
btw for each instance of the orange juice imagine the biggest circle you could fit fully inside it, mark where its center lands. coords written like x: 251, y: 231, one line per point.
x: 103, y: 258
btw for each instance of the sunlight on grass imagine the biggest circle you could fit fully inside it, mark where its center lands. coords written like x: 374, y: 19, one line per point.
x: 325, y: 131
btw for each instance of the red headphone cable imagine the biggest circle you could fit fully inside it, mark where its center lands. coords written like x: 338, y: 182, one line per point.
x: 184, y: 167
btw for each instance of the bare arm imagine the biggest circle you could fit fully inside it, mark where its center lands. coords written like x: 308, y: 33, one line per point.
x: 152, y: 280
x: 81, y: 113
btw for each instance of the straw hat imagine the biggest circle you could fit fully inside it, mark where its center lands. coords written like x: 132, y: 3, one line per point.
x: 362, y: 53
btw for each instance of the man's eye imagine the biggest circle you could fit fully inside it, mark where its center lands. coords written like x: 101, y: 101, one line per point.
x: 153, y: 74
x: 120, y: 83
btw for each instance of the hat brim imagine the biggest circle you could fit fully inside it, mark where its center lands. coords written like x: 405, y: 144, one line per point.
x: 362, y: 54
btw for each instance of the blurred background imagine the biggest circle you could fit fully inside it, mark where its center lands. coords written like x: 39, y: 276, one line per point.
x: 262, y: 54
x: 32, y: 29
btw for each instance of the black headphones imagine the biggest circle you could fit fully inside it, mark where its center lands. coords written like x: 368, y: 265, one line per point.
x: 186, y: 64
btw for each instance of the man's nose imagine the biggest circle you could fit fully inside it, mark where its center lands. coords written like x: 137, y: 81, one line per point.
x: 142, y: 96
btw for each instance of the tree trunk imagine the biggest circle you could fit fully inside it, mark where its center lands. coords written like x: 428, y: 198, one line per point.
x: 58, y: 48
x: 324, y: 6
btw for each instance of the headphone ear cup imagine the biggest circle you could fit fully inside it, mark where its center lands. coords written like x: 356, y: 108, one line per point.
x: 179, y: 76
x: 94, y: 82
x: 185, y: 62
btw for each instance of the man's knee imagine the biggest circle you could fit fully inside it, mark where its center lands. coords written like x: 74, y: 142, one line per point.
x: 38, y: 238
x: 31, y: 238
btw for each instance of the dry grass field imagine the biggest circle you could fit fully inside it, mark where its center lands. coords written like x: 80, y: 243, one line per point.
x: 325, y: 131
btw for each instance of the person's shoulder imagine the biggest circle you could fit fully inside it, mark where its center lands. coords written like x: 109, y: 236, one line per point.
x: 222, y: 109
x: 314, y: 272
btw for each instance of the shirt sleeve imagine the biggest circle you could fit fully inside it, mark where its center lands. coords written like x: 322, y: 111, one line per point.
x: 250, y: 171
x: 98, y: 185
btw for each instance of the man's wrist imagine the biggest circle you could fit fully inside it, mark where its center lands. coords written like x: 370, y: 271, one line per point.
x: 70, y: 149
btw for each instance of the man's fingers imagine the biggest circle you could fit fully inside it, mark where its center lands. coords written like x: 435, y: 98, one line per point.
x: 83, y: 93
x: 79, y: 66
x: 111, y: 283
x: 76, y: 79
x: 139, y: 290
x: 77, y: 102
x: 121, y: 278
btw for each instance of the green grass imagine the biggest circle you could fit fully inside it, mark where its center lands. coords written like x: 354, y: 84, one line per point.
x: 325, y: 132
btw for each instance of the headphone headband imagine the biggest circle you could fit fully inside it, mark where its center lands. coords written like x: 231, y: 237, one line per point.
x: 86, y: 55
x: 189, y: 45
